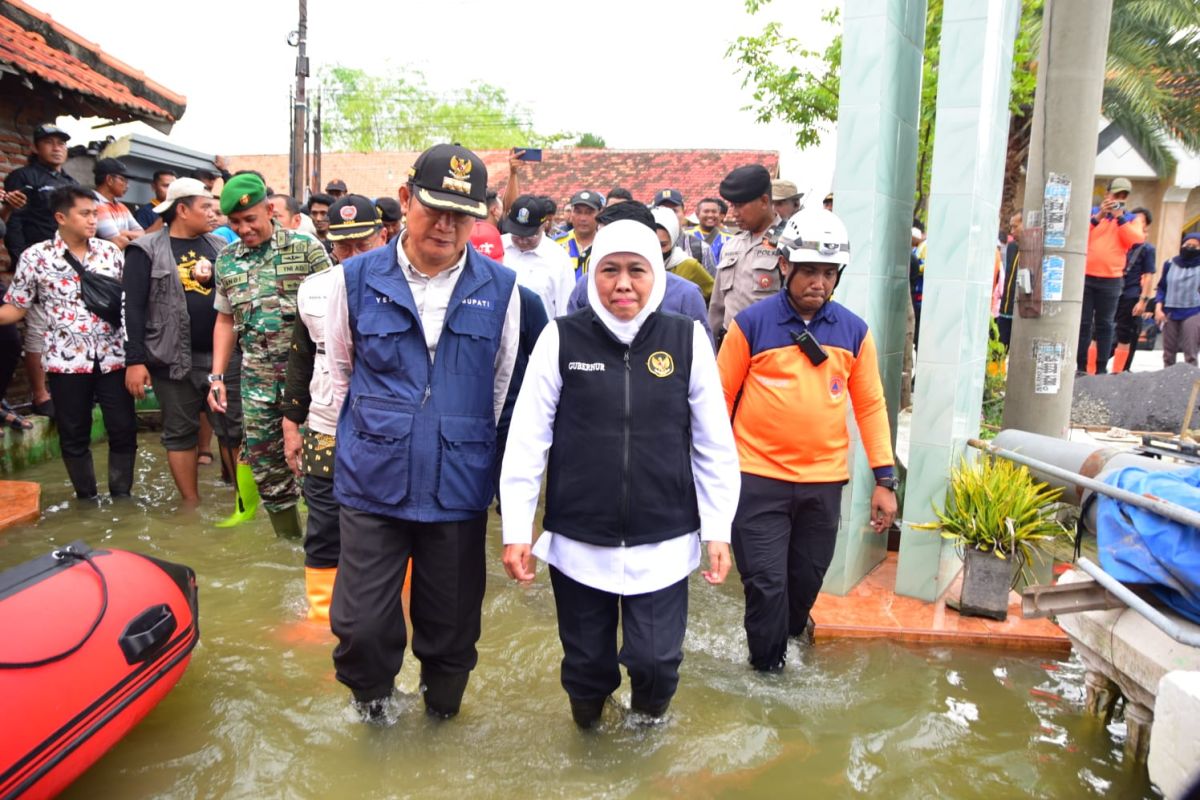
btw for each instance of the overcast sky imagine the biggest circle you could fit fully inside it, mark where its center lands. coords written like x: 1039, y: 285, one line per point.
x: 640, y: 73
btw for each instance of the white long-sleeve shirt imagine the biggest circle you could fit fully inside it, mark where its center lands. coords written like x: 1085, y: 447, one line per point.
x: 432, y: 298
x: 546, y: 270
x: 619, y: 570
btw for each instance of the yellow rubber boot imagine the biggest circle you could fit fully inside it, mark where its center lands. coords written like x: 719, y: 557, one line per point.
x: 318, y: 585
x: 246, y: 502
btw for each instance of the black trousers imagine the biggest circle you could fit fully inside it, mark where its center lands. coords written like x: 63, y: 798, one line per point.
x: 445, y: 603
x: 75, y: 394
x: 1098, y: 320
x: 322, y: 534
x: 652, y: 629
x: 10, y: 355
x: 1128, y: 326
x: 783, y: 539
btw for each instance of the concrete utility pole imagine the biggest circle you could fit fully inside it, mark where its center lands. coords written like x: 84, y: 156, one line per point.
x: 299, y: 107
x: 1041, y: 366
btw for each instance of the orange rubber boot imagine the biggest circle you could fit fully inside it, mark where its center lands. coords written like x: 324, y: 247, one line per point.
x: 1121, y: 358
x: 318, y: 585
x: 1091, y: 358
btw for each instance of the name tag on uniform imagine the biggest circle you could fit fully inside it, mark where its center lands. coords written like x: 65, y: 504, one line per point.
x: 288, y: 268
x: 476, y: 302
x: 585, y: 366
x: 236, y: 279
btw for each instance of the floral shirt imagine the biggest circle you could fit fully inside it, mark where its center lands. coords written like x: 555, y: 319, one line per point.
x: 75, y: 339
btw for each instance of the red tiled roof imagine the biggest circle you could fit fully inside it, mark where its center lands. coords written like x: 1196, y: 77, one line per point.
x: 696, y: 173
x: 38, y: 46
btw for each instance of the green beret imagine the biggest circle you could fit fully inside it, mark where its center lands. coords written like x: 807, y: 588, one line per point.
x: 242, y: 191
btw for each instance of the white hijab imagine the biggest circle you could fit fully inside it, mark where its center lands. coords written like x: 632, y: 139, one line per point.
x: 626, y: 236
x: 670, y: 220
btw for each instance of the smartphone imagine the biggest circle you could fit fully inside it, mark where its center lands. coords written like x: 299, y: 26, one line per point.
x: 530, y: 154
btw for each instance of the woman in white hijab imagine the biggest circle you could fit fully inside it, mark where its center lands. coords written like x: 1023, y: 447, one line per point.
x: 625, y: 402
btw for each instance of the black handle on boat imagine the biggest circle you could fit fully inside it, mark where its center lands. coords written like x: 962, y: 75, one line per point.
x: 147, y: 633
x: 79, y: 552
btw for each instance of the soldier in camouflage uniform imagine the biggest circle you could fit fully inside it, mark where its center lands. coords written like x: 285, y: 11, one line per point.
x: 257, y: 279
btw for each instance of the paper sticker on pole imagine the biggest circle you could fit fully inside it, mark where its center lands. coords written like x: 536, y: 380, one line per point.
x: 1053, y: 271
x: 1048, y: 359
x: 1057, y: 203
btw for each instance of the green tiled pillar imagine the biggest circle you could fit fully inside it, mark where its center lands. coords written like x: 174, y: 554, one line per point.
x: 964, y: 218
x: 874, y: 183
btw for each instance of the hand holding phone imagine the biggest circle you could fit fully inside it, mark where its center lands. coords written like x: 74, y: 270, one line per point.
x: 528, y: 153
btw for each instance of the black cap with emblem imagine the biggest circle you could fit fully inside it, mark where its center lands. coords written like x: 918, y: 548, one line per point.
x: 353, y: 217
x: 746, y: 183
x: 449, y: 177
x: 525, y: 217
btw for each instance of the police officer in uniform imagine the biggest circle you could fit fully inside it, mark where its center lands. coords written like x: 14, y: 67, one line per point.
x: 423, y: 335
x: 749, y: 269
x: 257, y: 280
x: 309, y: 400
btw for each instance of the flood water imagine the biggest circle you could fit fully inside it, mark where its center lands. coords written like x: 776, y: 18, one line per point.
x: 259, y: 715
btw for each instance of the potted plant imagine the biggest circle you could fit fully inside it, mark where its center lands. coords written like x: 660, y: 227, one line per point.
x: 999, y: 518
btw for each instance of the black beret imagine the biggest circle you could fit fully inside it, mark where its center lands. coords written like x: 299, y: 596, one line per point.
x: 746, y: 183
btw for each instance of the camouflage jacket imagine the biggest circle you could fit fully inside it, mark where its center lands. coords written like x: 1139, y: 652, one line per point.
x: 258, y: 286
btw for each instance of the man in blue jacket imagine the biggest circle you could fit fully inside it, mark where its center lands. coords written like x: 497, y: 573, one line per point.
x: 423, y: 334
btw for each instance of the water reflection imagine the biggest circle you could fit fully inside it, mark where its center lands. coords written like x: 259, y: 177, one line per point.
x: 258, y: 713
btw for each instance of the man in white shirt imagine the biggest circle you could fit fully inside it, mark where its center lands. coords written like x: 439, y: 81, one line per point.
x: 421, y: 336
x: 541, y: 265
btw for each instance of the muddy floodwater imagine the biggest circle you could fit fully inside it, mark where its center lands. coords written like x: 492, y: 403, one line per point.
x: 258, y: 714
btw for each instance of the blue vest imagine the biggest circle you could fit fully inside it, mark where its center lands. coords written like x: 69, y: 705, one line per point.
x: 417, y: 440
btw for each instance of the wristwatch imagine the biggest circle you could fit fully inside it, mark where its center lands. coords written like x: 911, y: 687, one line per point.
x: 890, y: 482
x: 220, y: 376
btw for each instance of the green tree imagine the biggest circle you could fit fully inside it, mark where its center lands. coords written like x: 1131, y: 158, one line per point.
x: 365, y: 113
x: 591, y: 140
x: 1152, y: 87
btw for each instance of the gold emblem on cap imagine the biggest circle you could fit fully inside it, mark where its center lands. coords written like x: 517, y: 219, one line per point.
x: 460, y: 168
x: 243, y: 200
x: 660, y: 364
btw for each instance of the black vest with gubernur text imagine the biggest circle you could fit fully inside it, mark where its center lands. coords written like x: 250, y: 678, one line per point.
x: 620, y: 471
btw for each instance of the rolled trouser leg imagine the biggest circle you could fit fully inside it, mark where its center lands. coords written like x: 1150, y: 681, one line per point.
x: 366, y: 614
x: 761, y: 530
x: 652, y: 627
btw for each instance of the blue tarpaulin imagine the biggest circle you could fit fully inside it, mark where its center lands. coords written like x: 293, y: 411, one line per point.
x: 1140, y: 547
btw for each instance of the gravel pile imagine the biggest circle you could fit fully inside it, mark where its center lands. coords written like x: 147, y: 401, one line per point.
x: 1136, y: 401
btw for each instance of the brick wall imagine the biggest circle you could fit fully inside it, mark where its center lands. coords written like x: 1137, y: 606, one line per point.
x: 21, y: 110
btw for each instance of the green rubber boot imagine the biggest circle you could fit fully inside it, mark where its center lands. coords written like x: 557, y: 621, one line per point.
x: 246, y: 502
x: 286, y: 523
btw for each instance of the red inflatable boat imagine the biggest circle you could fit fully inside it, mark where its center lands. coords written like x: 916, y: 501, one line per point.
x: 90, y: 642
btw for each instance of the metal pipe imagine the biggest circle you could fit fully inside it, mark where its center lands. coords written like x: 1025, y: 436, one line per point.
x: 1164, y: 508
x: 1088, y: 459
x: 1170, y: 627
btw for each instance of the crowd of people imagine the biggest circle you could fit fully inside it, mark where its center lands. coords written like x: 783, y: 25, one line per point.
x: 1123, y: 303
x: 408, y: 363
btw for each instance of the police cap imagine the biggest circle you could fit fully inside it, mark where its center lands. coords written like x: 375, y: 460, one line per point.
x: 746, y: 183
x: 353, y: 217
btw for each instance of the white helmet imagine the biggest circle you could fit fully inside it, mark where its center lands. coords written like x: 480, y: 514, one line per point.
x: 815, y: 236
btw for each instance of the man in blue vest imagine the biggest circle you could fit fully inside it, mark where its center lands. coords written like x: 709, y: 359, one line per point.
x: 422, y: 335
